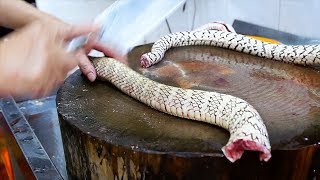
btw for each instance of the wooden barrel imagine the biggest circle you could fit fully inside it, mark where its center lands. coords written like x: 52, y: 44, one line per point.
x: 109, y: 135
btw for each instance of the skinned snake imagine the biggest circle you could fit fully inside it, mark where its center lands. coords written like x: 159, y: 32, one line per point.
x: 246, y: 127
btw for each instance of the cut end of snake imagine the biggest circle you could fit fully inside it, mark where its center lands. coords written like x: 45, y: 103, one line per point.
x: 233, y: 151
x: 145, y: 61
x: 250, y: 134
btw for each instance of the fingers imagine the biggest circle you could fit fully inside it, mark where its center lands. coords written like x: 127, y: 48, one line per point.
x: 106, y: 50
x: 81, y: 54
x: 93, y: 39
x: 109, y: 52
x: 92, y: 42
x: 75, y: 31
x: 85, y: 66
x: 43, y: 61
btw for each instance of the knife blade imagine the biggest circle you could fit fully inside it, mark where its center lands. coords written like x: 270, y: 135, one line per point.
x: 32, y: 149
x: 126, y: 23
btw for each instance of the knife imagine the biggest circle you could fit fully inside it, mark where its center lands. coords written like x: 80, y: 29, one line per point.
x: 125, y: 23
x: 36, y: 156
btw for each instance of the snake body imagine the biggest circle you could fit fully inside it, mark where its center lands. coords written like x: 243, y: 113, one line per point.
x: 247, y: 130
x: 210, y: 35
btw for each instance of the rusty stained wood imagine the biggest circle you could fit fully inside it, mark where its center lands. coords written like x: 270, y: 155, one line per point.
x: 108, y: 134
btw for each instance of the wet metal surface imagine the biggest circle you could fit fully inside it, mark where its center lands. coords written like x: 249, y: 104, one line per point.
x: 13, y: 163
x: 38, y: 160
x: 42, y: 117
x: 108, y: 121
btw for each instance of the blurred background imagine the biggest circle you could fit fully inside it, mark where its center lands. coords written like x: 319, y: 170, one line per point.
x: 291, y: 16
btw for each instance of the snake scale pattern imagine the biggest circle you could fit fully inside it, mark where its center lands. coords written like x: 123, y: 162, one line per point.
x: 214, y: 36
x: 247, y: 131
x: 246, y: 127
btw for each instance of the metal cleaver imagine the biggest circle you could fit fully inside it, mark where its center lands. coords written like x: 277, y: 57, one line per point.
x: 125, y: 23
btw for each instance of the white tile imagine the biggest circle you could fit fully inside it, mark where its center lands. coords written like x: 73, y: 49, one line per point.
x: 294, y: 16
x: 260, y: 12
x: 209, y: 11
x: 74, y: 11
x: 300, y: 17
x: 180, y: 20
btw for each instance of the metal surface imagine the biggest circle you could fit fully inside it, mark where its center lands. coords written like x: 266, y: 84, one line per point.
x: 42, y: 117
x: 12, y: 159
x: 36, y: 156
x: 243, y: 27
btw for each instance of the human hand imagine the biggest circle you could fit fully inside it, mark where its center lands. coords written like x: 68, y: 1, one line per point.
x: 82, y: 52
x: 34, y: 60
x: 85, y: 64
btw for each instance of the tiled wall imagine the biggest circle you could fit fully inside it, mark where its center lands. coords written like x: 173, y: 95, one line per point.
x: 299, y: 17
x: 293, y: 16
x: 74, y: 11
